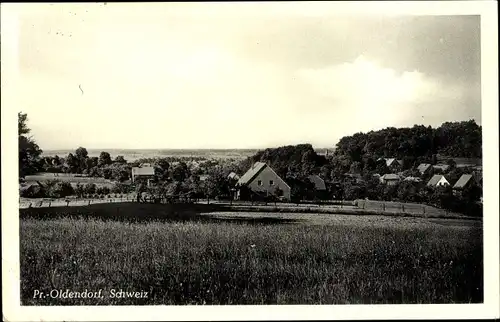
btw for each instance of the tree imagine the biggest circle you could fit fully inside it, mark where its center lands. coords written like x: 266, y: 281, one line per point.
x: 82, y: 156
x: 121, y: 188
x: 106, y: 172
x: 180, y: 172
x: 79, y: 190
x: 90, y: 188
x: 72, y: 163
x: 29, y: 151
x: 104, y: 159
x: 381, y: 167
x: 355, y: 167
x: 58, y: 189
x: 81, y: 153
x: 32, y: 191
x: 216, y: 185
x: 120, y: 159
x: 161, y: 169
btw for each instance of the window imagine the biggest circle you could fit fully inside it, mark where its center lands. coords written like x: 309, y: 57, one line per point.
x: 271, y: 182
x: 259, y: 182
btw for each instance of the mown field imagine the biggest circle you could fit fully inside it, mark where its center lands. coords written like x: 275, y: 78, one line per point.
x: 204, y: 256
x: 72, y: 179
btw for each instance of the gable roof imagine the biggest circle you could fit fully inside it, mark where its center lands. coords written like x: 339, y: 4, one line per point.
x: 233, y: 175
x: 318, y: 182
x: 204, y: 177
x: 251, y: 173
x: 413, y: 179
x: 143, y: 171
x: 463, y: 181
x: 390, y: 161
x: 443, y: 167
x: 422, y: 167
x: 390, y: 176
x: 435, y: 179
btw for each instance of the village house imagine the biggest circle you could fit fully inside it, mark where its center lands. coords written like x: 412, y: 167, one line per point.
x: 413, y: 179
x: 423, y: 168
x: 465, y: 181
x: 146, y: 173
x: 438, y: 180
x: 262, y: 180
x: 319, y: 185
x: 393, y: 164
x: 204, y: 177
x: 390, y: 179
x: 233, y: 176
x: 442, y: 167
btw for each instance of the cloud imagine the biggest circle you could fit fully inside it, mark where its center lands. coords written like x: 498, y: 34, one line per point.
x: 362, y: 95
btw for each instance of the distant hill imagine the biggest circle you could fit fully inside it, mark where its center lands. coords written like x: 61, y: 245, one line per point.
x: 135, y: 154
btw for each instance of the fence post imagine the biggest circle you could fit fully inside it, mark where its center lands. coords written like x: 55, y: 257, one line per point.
x: 29, y: 205
x: 67, y: 203
x: 403, y: 207
x: 423, y: 209
x: 50, y: 202
x: 383, y: 206
x: 89, y: 201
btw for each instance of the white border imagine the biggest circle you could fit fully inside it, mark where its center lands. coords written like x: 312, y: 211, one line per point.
x: 489, y: 71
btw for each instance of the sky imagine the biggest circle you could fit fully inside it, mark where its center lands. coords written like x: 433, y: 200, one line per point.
x: 222, y: 76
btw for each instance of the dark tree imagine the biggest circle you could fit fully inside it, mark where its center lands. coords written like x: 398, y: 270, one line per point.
x: 120, y: 159
x: 104, y: 159
x: 180, y: 172
x: 29, y: 151
x: 72, y: 163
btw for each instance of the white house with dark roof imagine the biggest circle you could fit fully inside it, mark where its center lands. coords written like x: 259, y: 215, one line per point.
x: 261, y: 179
x: 438, y: 180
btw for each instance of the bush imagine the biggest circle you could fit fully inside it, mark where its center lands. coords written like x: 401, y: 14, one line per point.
x: 58, y: 189
x: 121, y: 188
x: 31, y: 191
x: 90, y: 188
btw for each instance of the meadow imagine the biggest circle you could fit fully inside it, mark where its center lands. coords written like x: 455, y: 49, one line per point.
x: 71, y: 178
x: 205, y: 256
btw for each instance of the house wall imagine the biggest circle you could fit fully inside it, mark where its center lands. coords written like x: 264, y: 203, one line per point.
x: 136, y: 176
x: 265, y: 176
x: 391, y: 182
x: 442, y: 182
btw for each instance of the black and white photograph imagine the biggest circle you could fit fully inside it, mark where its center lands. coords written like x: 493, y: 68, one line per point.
x: 249, y: 156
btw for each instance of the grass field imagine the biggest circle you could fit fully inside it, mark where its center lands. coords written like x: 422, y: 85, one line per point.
x: 42, y: 177
x: 194, y: 257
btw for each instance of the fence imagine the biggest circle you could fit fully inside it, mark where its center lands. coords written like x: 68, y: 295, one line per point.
x: 400, y: 207
x: 74, y: 202
x: 357, y: 206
